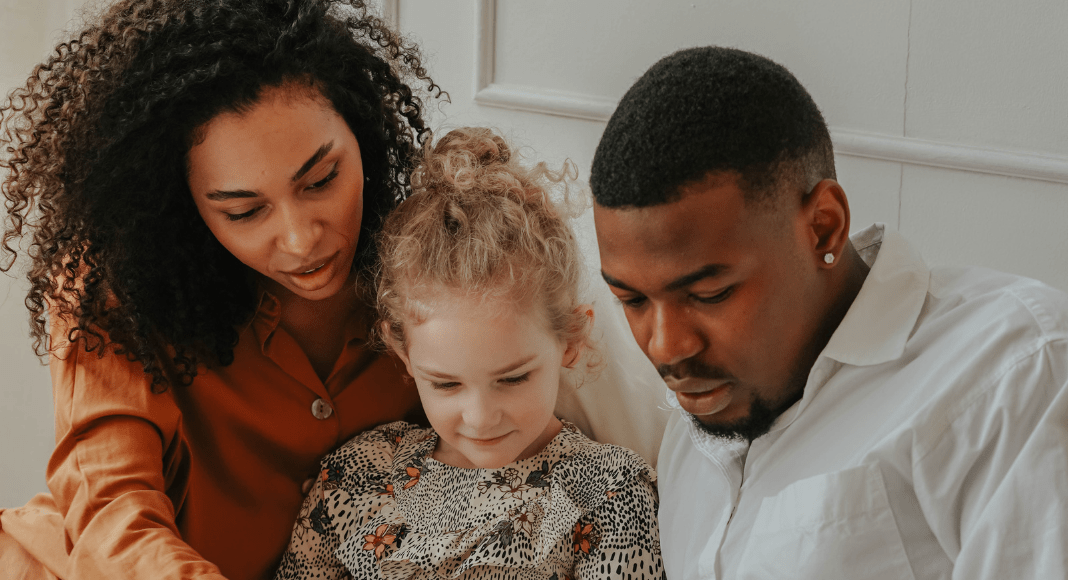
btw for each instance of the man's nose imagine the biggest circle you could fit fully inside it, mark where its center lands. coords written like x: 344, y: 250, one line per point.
x: 672, y: 337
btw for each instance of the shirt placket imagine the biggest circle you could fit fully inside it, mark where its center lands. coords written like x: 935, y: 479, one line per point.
x: 729, y: 460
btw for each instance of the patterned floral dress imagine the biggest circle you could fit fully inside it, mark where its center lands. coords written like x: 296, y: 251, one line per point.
x: 384, y: 508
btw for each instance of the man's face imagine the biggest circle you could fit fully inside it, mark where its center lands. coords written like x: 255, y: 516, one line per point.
x: 722, y: 297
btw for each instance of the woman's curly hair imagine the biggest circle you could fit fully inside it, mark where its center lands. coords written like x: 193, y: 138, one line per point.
x: 483, y: 224
x: 94, y: 154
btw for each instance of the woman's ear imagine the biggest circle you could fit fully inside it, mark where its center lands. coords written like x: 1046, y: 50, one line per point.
x: 574, y: 350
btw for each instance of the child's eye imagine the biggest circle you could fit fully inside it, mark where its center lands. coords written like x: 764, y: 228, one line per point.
x: 516, y: 379
x: 322, y: 182
x: 445, y: 386
x: 236, y: 217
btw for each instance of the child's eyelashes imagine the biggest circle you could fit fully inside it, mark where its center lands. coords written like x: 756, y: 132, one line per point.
x: 448, y: 385
x: 445, y: 386
x: 516, y: 379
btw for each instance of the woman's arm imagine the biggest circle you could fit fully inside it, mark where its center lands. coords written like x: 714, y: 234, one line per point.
x: 114, y: 474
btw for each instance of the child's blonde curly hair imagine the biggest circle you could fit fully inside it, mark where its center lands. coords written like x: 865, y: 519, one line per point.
x: 481, y: 224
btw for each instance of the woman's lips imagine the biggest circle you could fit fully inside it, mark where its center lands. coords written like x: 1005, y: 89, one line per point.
x: 695, y: 400
x: 316, y: 277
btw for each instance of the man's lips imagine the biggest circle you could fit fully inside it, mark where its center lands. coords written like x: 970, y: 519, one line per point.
x: 702, y: 396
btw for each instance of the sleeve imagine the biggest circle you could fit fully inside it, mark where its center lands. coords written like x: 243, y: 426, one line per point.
x: 315, y: 540
x: 353, y: 487
x: 107, y: 473
x: 621, y: 538
x: 1002, y: 470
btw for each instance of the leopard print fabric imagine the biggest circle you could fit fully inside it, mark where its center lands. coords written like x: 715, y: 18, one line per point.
x: 382, y: 507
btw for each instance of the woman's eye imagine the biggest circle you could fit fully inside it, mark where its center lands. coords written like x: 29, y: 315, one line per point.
x: 322, y: 182
x: 715, y: 298
x: 236, y: 217
x: 516, y: 379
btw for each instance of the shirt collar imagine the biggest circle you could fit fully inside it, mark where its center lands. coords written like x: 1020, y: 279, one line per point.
x: 269, y: 314
x: 881, y: 318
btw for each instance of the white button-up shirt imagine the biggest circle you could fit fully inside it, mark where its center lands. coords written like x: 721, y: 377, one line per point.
x: 931, y: 442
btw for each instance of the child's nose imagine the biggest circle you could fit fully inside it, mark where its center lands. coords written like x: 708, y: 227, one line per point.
x: 481, y: 414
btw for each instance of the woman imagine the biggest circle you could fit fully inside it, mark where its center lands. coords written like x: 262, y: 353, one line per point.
x: 200, y: 181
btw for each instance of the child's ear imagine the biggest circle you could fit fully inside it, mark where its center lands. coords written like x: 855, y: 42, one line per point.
x: 574, y: 350
x: 387, y: 337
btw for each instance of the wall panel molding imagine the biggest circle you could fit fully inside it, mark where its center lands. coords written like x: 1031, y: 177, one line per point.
x: 846, y: 141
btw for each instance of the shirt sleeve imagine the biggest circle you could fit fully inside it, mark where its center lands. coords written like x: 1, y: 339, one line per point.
x: 621, y: 538
x: 108, y: 472
x: 315, y: 540
x: 997, y: 483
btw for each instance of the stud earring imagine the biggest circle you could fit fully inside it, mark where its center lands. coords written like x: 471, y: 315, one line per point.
x: 828, y: 258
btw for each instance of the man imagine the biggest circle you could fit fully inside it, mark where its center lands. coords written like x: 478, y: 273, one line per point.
x: 845, y: 412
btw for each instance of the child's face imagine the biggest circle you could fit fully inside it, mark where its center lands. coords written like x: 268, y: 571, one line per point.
x: 488, y: 375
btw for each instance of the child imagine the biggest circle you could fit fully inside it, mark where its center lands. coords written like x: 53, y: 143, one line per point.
x: 478, y: 296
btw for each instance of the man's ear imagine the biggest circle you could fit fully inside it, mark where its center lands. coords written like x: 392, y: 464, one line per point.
x: 826, y: 212
x: 574, y: 350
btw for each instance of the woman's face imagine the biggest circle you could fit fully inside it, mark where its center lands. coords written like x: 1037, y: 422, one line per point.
x: 281, y: 187
x: 488, y: 375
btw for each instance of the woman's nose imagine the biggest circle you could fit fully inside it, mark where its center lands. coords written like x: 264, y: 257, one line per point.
x: 300, y: 230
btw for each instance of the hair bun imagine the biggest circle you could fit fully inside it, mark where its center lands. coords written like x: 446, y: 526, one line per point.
x: 481, y: 143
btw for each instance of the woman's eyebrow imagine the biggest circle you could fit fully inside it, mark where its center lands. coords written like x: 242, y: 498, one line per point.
x: 219, y: 195
x: 315, y: 158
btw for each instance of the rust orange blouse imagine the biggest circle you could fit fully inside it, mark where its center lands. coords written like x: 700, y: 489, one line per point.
x: 201, y: 481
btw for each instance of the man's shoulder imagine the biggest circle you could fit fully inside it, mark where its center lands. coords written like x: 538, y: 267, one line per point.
x: 976, y: 300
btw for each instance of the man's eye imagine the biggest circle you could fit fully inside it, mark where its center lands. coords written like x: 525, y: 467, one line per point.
x: 633, y: 302
x: 236, y: 217
x: 516, y: 379
x: 715, y: 298
x: 322, y: 182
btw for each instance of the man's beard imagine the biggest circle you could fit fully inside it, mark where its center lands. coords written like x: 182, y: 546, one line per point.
x: 762, y: 413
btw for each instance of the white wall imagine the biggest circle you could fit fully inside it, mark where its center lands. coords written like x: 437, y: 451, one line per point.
x: 28, y: 30
x: 949, y: 118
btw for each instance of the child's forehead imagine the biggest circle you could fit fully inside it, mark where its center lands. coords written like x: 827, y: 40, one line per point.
x: 437, y: 300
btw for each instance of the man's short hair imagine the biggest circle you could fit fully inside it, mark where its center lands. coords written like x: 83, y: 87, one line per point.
x: 711, y: 109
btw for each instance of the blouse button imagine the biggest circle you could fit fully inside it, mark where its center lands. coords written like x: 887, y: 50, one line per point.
x: 321, y: 409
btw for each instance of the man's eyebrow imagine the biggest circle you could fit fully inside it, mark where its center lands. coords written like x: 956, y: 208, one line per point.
x: 315, y: 158
x: 617, y: 283
x: 709, y: 271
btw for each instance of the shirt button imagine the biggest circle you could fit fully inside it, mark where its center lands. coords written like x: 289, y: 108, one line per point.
x: 321, y: 409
